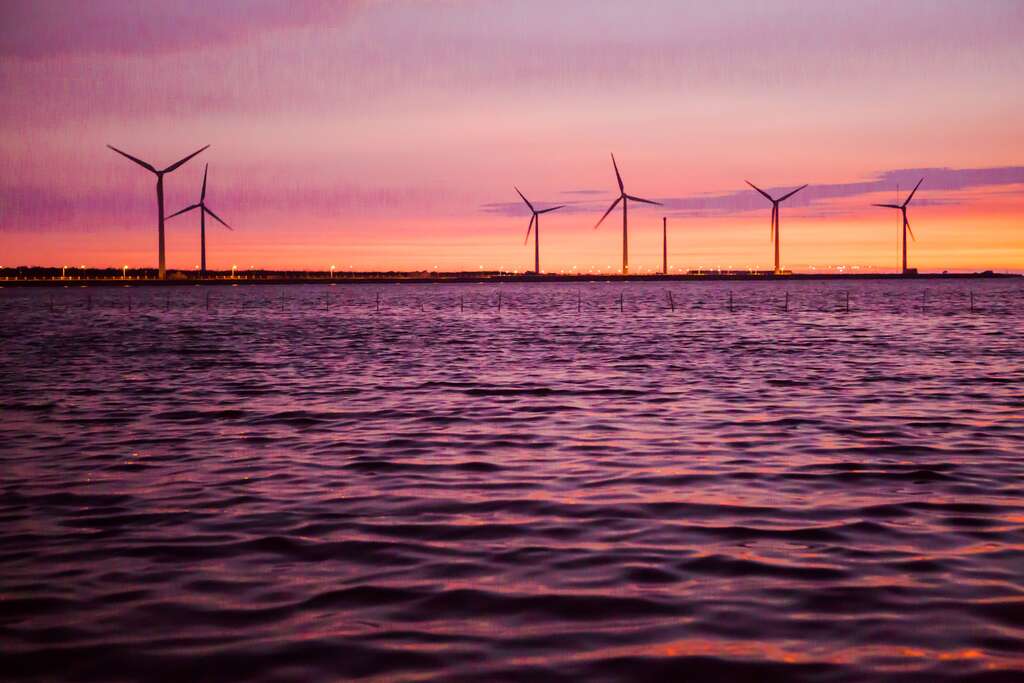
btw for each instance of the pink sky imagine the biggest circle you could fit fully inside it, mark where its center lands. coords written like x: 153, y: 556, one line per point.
x: 388, y: 135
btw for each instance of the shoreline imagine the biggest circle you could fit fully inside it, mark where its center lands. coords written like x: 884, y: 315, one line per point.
x: 492, y: 279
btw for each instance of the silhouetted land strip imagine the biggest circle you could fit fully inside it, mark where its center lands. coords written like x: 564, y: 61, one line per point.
x: 114, y: 277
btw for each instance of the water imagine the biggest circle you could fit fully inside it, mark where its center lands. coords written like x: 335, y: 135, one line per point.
x: 307, y: 488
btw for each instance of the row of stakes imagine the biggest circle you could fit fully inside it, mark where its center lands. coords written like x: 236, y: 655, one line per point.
x: 462, y: 302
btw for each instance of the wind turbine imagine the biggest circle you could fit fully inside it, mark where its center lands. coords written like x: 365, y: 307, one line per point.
x: 203, y: 210
x: 625, y: 199
x: 906, y: 224
x: 159, y: 195
x: 773, y: 235
x: 536, y: 235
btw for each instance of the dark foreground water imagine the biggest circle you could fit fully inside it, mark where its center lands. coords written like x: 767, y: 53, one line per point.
x: 307, y: 488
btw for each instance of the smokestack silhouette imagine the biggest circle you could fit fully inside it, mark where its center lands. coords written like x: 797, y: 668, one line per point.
x: 906, y: 223
x: 773, y: 235
x: 203, y: 210
x: 535, y: 221
x: 159, y: 196
x: 625, y: 199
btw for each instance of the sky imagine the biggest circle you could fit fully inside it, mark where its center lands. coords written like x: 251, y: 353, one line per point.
x: 389, y: 135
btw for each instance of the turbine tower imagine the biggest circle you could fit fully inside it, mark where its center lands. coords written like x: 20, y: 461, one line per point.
x: 159, y: 196
x: 906, y: 224
x: 664, y: 245
x: 625, y: 199
x: 203, y: 210
x: 535, y: 219
x: 773, y: 235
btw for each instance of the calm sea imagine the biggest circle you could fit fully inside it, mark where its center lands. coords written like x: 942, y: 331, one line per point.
x: 294, y: 485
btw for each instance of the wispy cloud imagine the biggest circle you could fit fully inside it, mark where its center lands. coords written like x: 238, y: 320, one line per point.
x: 820, y: 198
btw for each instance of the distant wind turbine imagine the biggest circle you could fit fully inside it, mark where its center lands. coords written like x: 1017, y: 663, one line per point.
x: 535, y: 219
x: 203, y: 210
x: 159, y: 196
x: 625, y: 199
x: 906, y: 224
x: 773, y: 235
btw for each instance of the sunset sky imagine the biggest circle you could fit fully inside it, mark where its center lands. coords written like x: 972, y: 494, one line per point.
x: 388, y: 135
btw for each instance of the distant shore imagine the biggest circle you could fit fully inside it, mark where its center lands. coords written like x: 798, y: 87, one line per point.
x: 271, y: 278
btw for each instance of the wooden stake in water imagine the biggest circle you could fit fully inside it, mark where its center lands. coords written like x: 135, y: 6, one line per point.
x: 923, y: 302
x: 786, y: 309
x: 671, y: 301
x: 499, y: 302
x: 129, y: 303
x: 207, y: 301
x: 579, y: 301
x: 167, y: 302
x: 621, y: 297
x: 462, y: 304
x: 378, y: 302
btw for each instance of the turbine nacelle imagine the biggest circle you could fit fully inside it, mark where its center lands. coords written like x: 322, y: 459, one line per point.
x: 535, y: 213
x: 622, y: 195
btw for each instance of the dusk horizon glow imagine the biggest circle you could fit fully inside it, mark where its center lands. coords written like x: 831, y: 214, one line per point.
x: 389, y: 136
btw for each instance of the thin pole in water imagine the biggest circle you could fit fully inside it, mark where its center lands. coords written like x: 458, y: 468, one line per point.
x: 671, y: 301
x: 499, y: 302
x: 378, y: 302
x: 621, y: 296
x: 51, y: 303
x: 462, y: 304
x: 847, y: 301
x: 167, y: 302
x: 579, y: 301
x: 786, y: 309
x: 207, y: 301
x: 730, y: 301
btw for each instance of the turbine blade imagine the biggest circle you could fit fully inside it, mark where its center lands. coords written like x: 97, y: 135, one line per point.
x: 771, y: 230
x: 524, y: 199
x: 889, y: 206
x: 529, y: 228
x: 553, y: 208
x: 763, y: 193
x: 907, y: 223
x: 217, y: 218
x: 610, y: 208
x: 186, y: 209
x: 202, y: 194
x: 622, y: 188
x: 179, y: 163
x: 140, y: 162
x: 640, y: 199
x: 912, y: 192
x: 787, y: 196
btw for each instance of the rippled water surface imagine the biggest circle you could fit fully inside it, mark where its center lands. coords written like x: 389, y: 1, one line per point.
x: 293, y: 484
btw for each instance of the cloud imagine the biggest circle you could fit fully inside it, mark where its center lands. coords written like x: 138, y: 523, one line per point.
x: 935, y: 179
x: 818, y: 197
x: 45, y: 28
